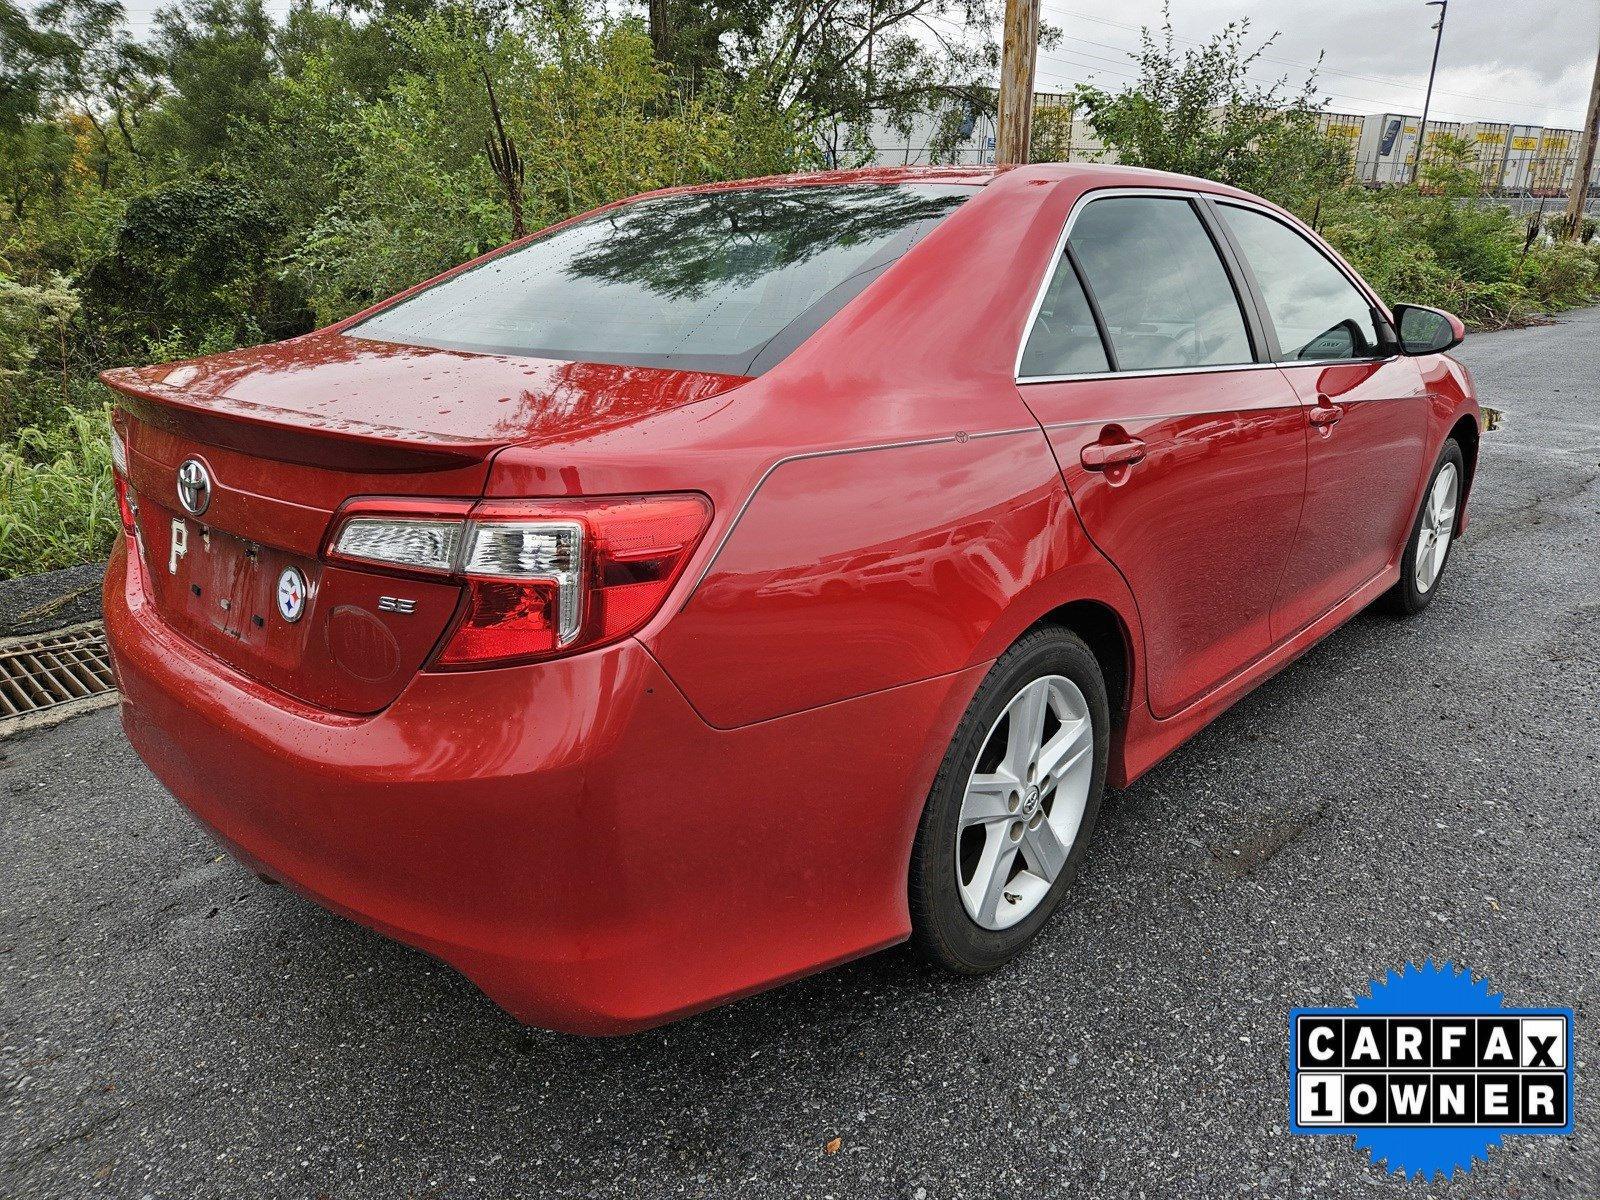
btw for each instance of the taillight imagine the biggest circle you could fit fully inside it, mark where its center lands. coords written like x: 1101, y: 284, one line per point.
x: 127, y: 506
x: 543, y: 577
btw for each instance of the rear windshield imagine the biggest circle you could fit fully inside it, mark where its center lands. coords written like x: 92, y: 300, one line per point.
x: 726, y: 281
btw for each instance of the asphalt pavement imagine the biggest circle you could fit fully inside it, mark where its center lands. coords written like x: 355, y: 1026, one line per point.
x: 172, y: 1027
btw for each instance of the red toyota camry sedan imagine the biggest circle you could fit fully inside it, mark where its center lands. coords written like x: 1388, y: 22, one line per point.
x: 737, y: 580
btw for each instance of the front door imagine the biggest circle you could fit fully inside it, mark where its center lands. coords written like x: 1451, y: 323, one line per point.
x: 1184, y: 457
x: 1367, y: 410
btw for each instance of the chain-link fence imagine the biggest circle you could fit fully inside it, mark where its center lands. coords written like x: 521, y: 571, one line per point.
x: 1525, y: 184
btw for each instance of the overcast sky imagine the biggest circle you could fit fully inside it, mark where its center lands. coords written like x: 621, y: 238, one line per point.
x: 1526, y: 62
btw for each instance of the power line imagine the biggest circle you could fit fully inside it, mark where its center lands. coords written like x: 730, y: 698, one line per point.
x: 1382, y: 104
x: 1252, y: 79
x: 1287, y: 62
x: 1321, y: 70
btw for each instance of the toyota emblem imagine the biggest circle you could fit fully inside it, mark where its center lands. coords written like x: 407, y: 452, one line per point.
x: 194, y: 486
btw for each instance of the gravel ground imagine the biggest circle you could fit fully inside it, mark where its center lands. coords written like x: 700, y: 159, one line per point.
x: 35, y: 603
x: 174, y: 1028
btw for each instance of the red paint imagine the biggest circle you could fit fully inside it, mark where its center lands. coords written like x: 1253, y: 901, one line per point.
x: 1362, y: 481
x: 726, y: 798
x: 1201, y: 525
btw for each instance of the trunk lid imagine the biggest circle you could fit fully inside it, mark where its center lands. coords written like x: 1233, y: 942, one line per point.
x: 284, y: 436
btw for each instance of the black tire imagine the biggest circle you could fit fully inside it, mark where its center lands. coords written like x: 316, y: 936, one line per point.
x: 942, y: 930
x: 1406, y: 598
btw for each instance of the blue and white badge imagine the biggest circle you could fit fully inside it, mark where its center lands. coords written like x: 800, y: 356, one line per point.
x: 291, y: 594
x: 1430, y: 1070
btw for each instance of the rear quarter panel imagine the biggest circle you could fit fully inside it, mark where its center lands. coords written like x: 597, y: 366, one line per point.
x: 854, y: 572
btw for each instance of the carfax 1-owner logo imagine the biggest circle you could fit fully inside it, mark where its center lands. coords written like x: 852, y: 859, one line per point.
x: 1430, y: 1070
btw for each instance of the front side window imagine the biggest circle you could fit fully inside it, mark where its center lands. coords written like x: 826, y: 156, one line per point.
x: 1318, y: 313
x: 1163, y: 292
x: 703, y: 281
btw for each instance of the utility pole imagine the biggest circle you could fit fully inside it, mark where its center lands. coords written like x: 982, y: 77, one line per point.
x: 1585, y: 163
x: 1427, y: 100
x: 1019, y: 50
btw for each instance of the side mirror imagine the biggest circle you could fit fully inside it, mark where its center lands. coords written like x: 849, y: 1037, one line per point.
x: 1427, y: 330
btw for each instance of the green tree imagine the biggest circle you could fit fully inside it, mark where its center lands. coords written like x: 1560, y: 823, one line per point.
x: 1198, y: 112
x: 220, y: 67
x: 592, y: 115
x: 195, y: 257
x: 24, y: 49
x: 839, y: 67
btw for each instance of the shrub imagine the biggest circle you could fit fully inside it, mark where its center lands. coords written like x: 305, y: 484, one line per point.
x: 198, y: 255
x: 34, y: 356
x: 1563, y: 274
x: 58, y: 507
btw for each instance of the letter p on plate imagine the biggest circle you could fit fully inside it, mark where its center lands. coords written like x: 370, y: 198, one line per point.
x: 180, y: 544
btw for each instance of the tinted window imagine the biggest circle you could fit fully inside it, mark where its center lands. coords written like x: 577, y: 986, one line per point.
x: 1064, y: 340
x: 1161, y: 287
x: 702, y: 281
x: 1317, y: 312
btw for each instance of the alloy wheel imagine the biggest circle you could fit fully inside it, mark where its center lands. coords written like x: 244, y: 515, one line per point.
x: 1438, y: 522
x: 1024, y: 802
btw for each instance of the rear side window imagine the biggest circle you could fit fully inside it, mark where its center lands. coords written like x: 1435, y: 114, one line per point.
x: 704, y: 281
x: 1064, y: 340
x: 1317, y: 312
x: 1163, y: 292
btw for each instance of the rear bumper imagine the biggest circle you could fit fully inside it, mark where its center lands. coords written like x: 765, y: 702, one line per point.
x: 571, y: 835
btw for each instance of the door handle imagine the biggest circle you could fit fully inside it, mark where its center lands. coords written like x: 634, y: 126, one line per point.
x: 1325, y: 413
x: 1097, y: 456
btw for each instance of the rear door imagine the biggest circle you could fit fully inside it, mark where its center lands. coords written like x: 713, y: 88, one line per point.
x: 1367, y: 409
x: 1184, y: 454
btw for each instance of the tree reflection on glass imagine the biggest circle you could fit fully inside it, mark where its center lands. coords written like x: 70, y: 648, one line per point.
x: 682, y: 247
x: 725, y: 280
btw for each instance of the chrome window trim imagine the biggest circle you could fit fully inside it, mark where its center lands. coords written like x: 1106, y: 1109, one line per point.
x: 1149, y: 372
x: 1191, y: 195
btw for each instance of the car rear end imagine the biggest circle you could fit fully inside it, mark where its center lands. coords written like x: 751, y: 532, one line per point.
x: 376, y: 686
x: 379, y: 679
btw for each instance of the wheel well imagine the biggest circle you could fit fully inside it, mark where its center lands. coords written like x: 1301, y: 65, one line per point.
x: 1103, y: 632
x: 1465, y: 432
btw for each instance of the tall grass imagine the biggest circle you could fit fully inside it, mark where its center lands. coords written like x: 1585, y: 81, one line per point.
x: 58, y: 506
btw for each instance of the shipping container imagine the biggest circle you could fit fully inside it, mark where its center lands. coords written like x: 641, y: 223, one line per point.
x: 1521, y: 150
x: 1345, y: 126
x: 1438, y: 130
x: 1553, y: 166
x: 1437, y: 133
x: 1385, y: 155
x: 1489, y: 142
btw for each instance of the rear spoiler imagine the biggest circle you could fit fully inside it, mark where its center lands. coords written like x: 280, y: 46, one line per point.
x: 290, y: 436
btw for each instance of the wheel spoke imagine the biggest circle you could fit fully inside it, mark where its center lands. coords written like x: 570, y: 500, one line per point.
x: 1026, y: 727
x: 988, y: 798
x: 1072, y: 746
x: 994, y: 869
x: 1043, y: 851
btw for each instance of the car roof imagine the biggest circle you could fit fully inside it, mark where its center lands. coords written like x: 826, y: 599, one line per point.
x: 1089, y: 175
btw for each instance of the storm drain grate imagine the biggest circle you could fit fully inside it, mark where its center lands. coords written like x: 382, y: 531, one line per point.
x: 67, y: 670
